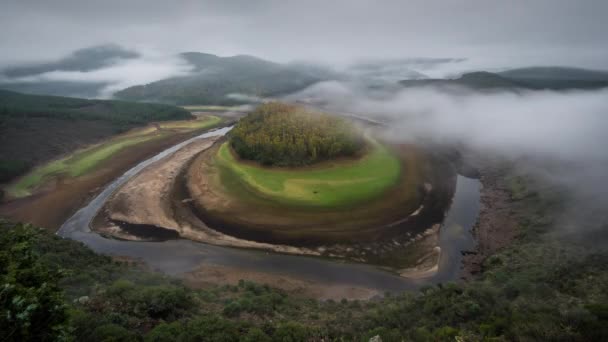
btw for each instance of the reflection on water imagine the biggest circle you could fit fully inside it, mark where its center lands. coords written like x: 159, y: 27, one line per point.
x: 179, y: 256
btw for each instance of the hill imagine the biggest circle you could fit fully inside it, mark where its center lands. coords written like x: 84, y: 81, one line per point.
x: 286, y: 135
x: 37, y: 128
x: 216, y: 80
x: 535, y: 78
x: 29, y: 78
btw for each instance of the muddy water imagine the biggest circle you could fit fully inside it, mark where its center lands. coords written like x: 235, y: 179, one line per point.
x: 176, y: 257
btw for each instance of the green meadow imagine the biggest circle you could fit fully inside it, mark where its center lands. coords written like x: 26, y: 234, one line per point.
x: 331, y: 184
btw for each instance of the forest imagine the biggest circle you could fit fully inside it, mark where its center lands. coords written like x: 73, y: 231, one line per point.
x: 23, y: 106
x: 279, y: 134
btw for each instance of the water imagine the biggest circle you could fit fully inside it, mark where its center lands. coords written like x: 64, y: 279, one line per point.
x: 176, y: 257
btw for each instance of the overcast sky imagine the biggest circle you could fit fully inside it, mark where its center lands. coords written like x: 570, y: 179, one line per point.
x: 496, y: 33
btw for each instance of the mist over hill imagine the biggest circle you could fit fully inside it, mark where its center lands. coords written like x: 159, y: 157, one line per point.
x: 215, y: 78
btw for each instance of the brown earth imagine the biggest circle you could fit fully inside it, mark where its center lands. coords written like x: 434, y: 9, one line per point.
x: 54, y: 204
x: 240, y: 212
x: 211, y: 275
x: 156, y: 203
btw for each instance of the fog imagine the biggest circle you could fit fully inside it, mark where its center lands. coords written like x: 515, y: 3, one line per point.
x: 145, y: 66
x: 558, y: 137
x: 567, y: 128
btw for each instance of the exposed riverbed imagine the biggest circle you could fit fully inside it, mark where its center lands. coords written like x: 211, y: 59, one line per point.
x: 184, y: 257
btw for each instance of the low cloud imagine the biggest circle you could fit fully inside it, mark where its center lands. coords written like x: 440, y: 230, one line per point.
x: 561, y: 136
x: 148, y: 67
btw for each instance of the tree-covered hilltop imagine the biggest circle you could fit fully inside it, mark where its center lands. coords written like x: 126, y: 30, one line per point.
x: 280, y: 134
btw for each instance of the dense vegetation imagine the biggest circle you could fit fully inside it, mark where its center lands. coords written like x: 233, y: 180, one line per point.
x: 286, y: 135
x: 83, y: 60
x: 34, y: 129
x: 16, y: 105
x: 223, y: 81
x: 542, y: 288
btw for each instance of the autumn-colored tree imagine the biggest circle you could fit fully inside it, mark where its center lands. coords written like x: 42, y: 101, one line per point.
x: 287, y: 135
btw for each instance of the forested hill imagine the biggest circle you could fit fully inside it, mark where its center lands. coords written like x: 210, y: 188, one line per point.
x: 18, y: 105
x: 34, y: 128
x: 535, y: 78
x: 287, y: 135
x: 215, y: 80
x: 541, y: 288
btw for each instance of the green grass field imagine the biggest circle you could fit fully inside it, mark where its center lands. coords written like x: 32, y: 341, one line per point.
x: 86, y: 160
x: 329, y: 185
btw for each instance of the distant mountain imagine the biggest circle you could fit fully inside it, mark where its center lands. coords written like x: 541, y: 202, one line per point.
x: 30, y: 78
x: 215, y: 79
x: 555, y: 78
x: 88, y: 59
x: 556, y: 73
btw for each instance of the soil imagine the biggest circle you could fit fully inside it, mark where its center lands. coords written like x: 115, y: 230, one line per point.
x: 404, y: 208
x: 50, y: 207
x: 157, y: 203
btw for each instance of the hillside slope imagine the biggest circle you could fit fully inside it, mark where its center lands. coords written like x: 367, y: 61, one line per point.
x: 36, y: 128
x: 216, y: 80
x: 37, y: 78
x: 536, y: 78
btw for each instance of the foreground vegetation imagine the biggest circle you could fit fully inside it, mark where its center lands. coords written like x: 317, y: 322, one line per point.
x: 328, y: 185
x: 86, y: 160
x: 542, y: 288
x: 286, y: 135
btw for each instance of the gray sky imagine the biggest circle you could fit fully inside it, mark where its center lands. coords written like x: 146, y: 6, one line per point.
x: 489, y: 33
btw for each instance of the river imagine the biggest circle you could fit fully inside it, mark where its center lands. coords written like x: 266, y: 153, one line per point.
x: 176, y: 257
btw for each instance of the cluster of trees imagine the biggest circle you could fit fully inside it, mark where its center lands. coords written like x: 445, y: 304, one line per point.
x: 538, y: 289
x: 280, y: 134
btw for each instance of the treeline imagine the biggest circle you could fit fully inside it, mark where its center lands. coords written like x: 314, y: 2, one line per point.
x: 22, y: 106
x: 280, y: 134
x: 539, y: 289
